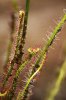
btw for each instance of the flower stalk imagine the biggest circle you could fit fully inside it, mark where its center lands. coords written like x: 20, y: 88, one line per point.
x: 16, y: 58
x: 41, y: 58
x: 54, y: 91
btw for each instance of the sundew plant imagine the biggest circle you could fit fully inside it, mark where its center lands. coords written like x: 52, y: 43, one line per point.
x: 15, y: 68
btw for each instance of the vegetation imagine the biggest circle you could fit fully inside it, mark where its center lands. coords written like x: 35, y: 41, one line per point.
x: 18, y: 63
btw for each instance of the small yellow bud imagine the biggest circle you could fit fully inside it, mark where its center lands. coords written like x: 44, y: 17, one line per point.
x: 33, y: 51
x: 21, y: 13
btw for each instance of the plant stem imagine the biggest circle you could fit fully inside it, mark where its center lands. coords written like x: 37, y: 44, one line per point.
x: 58, y: 82
x: 24, y: 32
x: 11, y: 40
x: 15, y: 5
x: 23, y: 94
x: 21, y: 67
x: 42, y: 57
x: 17, y: 53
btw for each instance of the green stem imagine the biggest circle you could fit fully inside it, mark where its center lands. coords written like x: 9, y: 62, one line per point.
x: 25, y: 24
x: 23, y: 94
x: 15, y: 5
x: 13, y: 89
x: 58, y: 82
x: 21, y: 67
x: 42, y: 56
x: 17, y: 53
